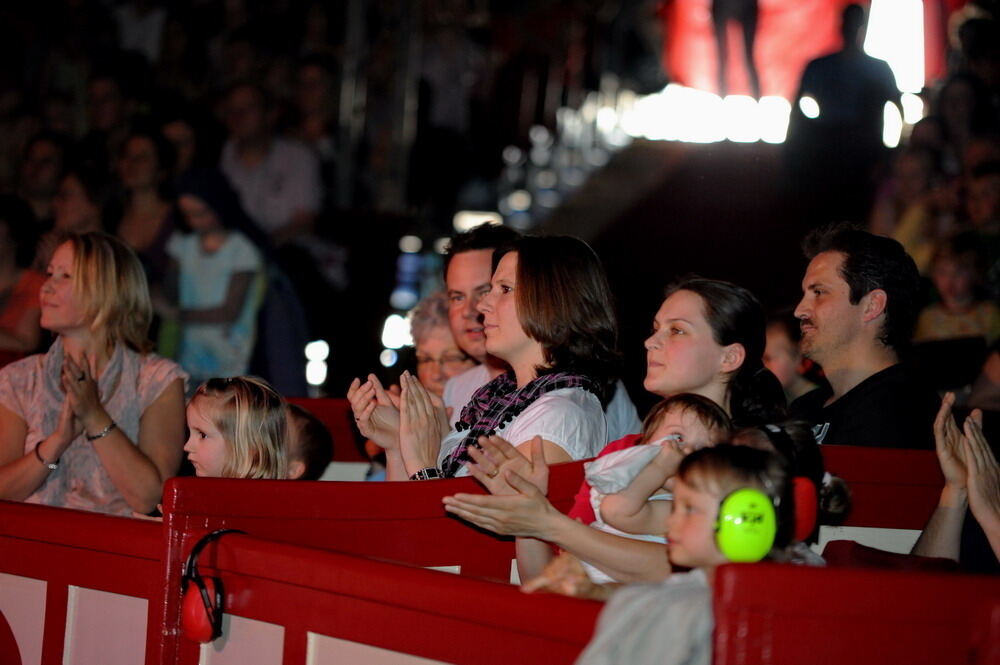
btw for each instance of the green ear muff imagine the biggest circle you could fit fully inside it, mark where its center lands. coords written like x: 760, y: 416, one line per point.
x: 746, y: 526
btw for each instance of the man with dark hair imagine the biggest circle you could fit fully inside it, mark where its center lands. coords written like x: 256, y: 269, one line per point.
x: 468, y: 267
x: 857, y: 312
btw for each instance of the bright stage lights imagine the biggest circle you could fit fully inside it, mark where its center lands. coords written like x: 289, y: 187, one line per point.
x: 465, y: 220
x: 896, y: 34
x: 396, y: 332
x: 892, y: 125
x: 772, y: 115
x: 809, y: 107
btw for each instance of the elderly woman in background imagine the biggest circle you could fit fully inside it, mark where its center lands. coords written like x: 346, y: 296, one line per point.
x: 438, y: 355
x: 97, y: 422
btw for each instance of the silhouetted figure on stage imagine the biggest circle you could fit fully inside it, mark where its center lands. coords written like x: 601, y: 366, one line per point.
x: 835, y: 137
x: 743, y: 12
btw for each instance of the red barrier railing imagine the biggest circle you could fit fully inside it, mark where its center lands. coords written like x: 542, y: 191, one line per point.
x: 403, y: 609
x: 69, y: 548
x: 788, y: 615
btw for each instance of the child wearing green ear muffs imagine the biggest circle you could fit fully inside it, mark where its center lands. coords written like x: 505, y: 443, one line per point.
x: 731, y: 503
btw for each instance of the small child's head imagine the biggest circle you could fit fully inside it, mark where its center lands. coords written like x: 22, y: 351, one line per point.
x: 782, y: 354
x: 824, y: 499
x: 957, y: 268
x: 310, y: 446
x: 982, y: 196
x: 687, y: 421
x: 237, y: 429
x: 715, y: 519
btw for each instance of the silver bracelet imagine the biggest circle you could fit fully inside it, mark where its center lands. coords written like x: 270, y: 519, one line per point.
x: 103, y: 433
x: 51, y: 466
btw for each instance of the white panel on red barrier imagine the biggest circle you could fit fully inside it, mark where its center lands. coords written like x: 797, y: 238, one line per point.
x: 900, y: 541
x: 245, y: 642
x: 22, y: 601
x: 323, y: 650
x: 104, y: 627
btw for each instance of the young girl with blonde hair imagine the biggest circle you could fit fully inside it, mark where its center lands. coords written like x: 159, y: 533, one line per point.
x: 237, y: 430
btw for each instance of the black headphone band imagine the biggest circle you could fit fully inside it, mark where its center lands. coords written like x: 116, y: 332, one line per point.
x: 191, y: 565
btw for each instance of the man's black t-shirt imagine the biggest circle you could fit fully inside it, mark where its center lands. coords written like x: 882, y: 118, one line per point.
x: 889, y: 409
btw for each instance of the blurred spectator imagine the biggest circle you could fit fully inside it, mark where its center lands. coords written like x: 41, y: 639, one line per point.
x: 981, y: 149
x: 980, y: 42
x: 982, y: 198
x: 19, y: 287
x: 983, y: 207
x: 144, y: 167
x: 277, y: 179
x: 902, y: 210
x: 140, y: 27
x: 316, y: 110
x: 957, y: 272
x: 964, y: 108
x: 196, y: 137
x: 45, y: 158
x: 78, y: 207
x: 985, y: 393
x: 319, y: 28
x: 107, y: 114
x: 216, y: 280
x: 182, y: 64
x: 784, y: 358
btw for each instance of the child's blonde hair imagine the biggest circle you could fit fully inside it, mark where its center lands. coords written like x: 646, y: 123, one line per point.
x: 250, y: 415
x: 708, y: 412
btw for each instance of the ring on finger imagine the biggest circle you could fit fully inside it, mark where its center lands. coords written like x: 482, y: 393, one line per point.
x: 493, y: 473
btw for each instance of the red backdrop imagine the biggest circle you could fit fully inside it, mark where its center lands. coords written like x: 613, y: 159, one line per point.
x: 790, y: 33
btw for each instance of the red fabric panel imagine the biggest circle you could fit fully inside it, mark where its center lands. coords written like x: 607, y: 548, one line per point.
x: 432, y: 615
x: 789, y: 35
x: 788, y: 615
x: 336, y: 414
x: 890, y: 488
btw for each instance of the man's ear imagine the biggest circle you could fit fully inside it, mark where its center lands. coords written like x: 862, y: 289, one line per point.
x: 874, y: 304
x: 733, y: 357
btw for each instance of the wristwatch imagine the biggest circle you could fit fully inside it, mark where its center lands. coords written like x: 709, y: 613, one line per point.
x: 429, y: 473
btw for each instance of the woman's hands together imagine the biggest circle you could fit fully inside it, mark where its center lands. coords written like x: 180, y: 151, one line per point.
x: 83, y: 398
x: 496, y: 457
x: 423, y: 422
x: 949, y: 444
x: 376, y: 411
x: 983, y: 479
x: 526, y: 512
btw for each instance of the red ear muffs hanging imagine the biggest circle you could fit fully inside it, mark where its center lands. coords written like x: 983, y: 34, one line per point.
x: 806, y: 507
x: 201, y: 607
